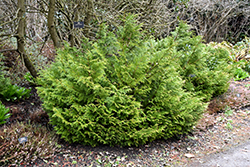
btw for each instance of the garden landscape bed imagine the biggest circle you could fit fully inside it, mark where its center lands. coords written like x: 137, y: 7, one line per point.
x: 159, y: 84
x: 215, y: 133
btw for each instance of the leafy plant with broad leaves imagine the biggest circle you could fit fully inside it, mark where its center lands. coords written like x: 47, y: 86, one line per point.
x: 29, y: 78
x: 240, y: 74
x: 123, y: 89
x: 8, y: 91
x: 14, y: 92
x: 3, y: 113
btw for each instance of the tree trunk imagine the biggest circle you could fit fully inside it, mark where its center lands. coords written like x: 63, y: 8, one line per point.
x: 51, y: 24
x: 88, y: 18
x: 20, y: 39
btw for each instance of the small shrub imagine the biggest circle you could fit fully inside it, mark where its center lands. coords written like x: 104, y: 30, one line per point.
x: 38, y: 143
x: 205, y: 69
x: 229, y: 125
x: 8, y: 91
x: 3, y: 113
x: 121, y: 90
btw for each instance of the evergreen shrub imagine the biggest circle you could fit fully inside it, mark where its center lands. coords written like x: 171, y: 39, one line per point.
x: 205, y: 68
x: 123, y: 89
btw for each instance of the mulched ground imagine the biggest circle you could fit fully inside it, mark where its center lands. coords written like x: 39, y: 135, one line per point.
x: 224, y: 132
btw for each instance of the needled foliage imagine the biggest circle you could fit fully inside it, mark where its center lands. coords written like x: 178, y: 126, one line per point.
x: 124, y: 89
x: 205, y: 68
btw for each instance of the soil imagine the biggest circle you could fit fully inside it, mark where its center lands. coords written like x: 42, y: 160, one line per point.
x: 223, y: 142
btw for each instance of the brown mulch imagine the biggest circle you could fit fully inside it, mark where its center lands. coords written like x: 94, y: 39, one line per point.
x: 220, y: 133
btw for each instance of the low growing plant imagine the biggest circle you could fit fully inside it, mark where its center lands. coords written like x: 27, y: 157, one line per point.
x: 237, y: 52
x: 240, y: 74
x: 29, y: 78
x: 228, y: 111
x: 23, y: 143
x: 239, y: 55
x: 14, y: 92
x: 3, y: 113
x: 8, y: 91
x: 124, y: 89
x: 229, y: 124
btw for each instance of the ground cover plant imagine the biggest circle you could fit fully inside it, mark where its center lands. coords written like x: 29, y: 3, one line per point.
x: 125, y: 89
x: 25, y: 142
x: 3, y: 113
x: 9, y: 91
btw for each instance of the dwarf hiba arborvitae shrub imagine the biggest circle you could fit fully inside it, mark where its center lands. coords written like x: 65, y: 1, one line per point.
x: 123, y: 89
x: 205, y: 69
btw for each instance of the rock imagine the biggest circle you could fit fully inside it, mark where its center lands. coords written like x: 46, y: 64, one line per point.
x: 23, y: 140
x: 189, y: 155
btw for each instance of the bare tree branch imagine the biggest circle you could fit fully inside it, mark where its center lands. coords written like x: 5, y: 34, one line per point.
x: 7, y: 50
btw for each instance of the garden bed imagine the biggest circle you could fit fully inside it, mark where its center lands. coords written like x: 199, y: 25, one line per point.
x: 221, y: 131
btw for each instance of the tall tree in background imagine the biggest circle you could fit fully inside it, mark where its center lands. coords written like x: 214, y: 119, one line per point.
x: 21, y: 39
x: 51, y: 25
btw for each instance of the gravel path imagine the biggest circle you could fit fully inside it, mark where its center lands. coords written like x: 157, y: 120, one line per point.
x: 238, y: 156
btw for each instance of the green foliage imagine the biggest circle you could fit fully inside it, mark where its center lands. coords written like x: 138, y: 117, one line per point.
x: 204, y: 68
x: 3, y: 113
x: 239, y: 56
x: 125, y: 89
x: 8, y: 91
x: 228, y: 111
x: 245, y: 65
x: 239, y: 53
x: 29, y: 78
x: 240, y: 74
x: 14, y: 92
